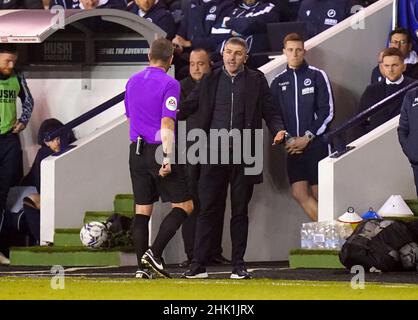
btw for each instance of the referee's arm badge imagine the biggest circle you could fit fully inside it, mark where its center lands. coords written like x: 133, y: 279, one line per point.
x: 171, y: 103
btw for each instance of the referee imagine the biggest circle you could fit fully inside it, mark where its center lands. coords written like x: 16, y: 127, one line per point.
x: 151, y: 103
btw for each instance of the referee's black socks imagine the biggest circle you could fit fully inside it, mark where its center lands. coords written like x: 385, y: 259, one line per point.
x: 168, y: 228
x: 140, y: 235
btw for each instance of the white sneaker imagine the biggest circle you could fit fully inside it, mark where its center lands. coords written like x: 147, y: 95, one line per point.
x: 4, y: 260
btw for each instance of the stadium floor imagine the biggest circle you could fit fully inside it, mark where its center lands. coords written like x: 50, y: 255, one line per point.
x: 260, y: 270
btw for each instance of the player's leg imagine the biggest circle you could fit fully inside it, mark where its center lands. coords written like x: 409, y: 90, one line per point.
x: 172, y: 188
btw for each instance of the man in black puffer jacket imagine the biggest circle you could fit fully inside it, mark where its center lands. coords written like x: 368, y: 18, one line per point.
x: 230, y: 101
x: 320, y: 15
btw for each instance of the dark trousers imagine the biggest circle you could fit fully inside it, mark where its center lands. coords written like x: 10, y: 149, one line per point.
x: 188, y: 230
x: 10, y: 160
x: 19, y: 228
x: 213, y: 187
x: 415, y: 169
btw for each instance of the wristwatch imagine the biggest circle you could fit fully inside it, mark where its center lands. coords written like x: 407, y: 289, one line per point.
x: 166, y: 157
x: 309, y: 135
x: 166, y: 160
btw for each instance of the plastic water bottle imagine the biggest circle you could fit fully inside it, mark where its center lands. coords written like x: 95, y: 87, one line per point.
x: 328, y: 236
x: 319, y: 236
x: 306, y: 236
x: 334, y: 237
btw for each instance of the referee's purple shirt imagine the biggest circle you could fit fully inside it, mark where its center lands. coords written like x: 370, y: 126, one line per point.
x: 150, y: 96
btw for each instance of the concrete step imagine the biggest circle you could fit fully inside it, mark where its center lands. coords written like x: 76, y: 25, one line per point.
x: 404, y: 219
x: 124, y: 203
x: 67, y: 237
x: 72, y: 256
x: 102, y: 216
x: 413, y: 205
x: 311, y: 258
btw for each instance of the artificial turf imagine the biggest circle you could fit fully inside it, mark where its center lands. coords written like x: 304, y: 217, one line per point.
x: 176, y: 289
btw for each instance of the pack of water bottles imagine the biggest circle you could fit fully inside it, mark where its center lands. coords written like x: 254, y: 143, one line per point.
x: 328, y: 235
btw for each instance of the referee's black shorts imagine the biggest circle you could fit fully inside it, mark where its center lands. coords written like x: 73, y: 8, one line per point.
x: 148, y: 186
x: 304, y: 166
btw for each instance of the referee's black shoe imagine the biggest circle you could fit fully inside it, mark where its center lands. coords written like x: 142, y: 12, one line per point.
x: 156, y: 264
x: 196, y: 271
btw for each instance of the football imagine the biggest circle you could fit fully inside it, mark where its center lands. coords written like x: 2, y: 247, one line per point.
x: 93, y: 234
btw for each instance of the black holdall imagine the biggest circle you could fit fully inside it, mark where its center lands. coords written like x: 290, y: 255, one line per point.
x: 120, y: 230
x: 409, y: 255
x: 376, y: 243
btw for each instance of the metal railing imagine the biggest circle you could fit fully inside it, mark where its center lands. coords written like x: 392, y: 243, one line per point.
x: 337, y: 136
x: 68, y: 127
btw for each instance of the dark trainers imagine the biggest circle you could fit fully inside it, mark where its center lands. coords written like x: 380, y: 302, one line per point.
x: 239, y: 273
x: 156, y: 264
x: 195, y: 272
x: 219, y: 259
x: 143, y: 274
x: 185, y: 264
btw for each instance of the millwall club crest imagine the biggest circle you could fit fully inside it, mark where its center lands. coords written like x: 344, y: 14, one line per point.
x: 307, y: 82
x: 331, y: 13
x: 330, y: 20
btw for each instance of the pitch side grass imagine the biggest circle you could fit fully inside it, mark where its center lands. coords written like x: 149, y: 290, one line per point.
x: 177, y: 289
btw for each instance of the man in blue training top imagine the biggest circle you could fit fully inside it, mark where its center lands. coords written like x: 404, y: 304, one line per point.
x: 321, y: 15
x: 306, y: 100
